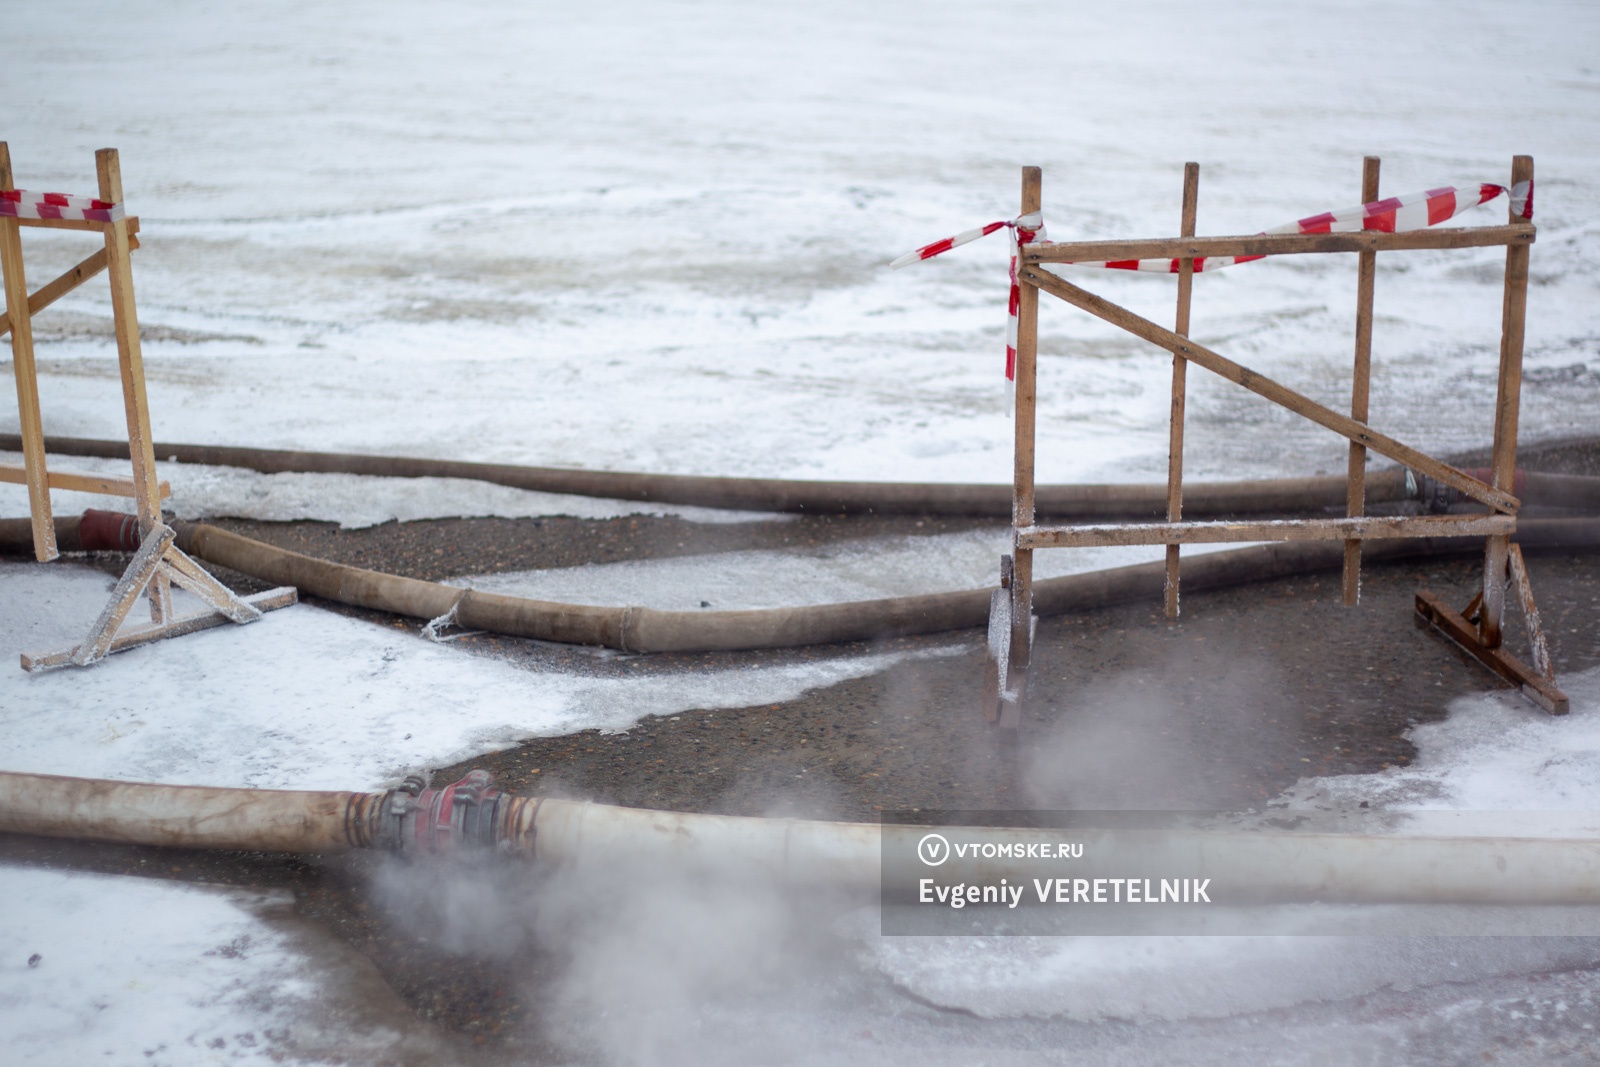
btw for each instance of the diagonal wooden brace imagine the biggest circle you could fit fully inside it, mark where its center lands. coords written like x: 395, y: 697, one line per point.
x: 146, y: 563
x: 1358, y: 432
x: 187, y: 574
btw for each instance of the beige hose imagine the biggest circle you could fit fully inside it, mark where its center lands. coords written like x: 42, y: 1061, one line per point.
x: 777, y: 494
x: 851, y: 856
x: 267, y: 820
x: 650, y: 630
x: 640, y: 629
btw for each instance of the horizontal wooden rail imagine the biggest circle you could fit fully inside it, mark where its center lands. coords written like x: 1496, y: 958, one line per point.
x: 1210, y: 533
x: 1279, y: 244
x: 50, y: 292
x: 78, y: 224
x: 1282, y: 395
x: 107, y: 484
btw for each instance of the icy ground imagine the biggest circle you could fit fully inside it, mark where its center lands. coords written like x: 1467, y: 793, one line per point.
x: 651, y: 236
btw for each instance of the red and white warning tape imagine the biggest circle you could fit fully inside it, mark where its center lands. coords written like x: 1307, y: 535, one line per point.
x: 21, y: 204
x: 1025, y: 230
x: 1414, y: 211
x: 1395, y: 214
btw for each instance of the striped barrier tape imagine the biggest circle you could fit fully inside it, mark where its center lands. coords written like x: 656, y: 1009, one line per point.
x: 1395, y: 214
x: 21, y: 204
x: 1025, y: 229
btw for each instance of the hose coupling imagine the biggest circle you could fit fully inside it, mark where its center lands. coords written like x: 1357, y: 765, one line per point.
x: 462, y: 816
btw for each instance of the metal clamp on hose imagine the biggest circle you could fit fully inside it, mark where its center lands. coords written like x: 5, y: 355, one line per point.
x: 460, y: 816
x: 1435, y: 496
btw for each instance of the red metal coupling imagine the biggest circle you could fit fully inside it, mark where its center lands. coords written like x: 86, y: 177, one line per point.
x: 456, y: 817
x: 108, y: 531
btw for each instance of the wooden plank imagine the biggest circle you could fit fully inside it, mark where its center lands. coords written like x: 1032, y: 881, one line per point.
x: 130, y: 361
x: 1266, y: 387
x: 1492, y: 611
x: 1360, y: 390
x: 108, y: 485
x: 187, y: 574
x: 134, y: 636
x: 1175, y: 418
x: 1508, y: 393
x: 997, y: 660
x: 77, y: 224
x: 135, y: 580
x: 1022, y: 501
x: 1430, y: 609
x: 1207, y: 533
x: 48, y: 294
x: 30, y: 421
x: 1539, y: 647
x: 1280, y: 244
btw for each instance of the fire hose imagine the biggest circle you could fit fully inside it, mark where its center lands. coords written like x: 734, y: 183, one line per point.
x: 833, y: 498
x: 470, y: 816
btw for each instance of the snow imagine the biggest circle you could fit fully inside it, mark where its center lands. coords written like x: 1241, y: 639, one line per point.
x: 652, y: 237
x: 207, y: 975
x: 361, y: 708
x: 1489, y: 758
x: 555, y: 236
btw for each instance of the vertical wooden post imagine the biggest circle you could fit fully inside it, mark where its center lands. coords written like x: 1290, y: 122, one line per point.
x: 1180, y: 368
x: 141, y: 444
x: 1507, y: 401
x: 22, y: 367
x: 1022, y: 512
x: 1360, y: 389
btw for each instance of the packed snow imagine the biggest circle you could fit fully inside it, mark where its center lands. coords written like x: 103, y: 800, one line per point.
x: 653, y: 237
x: 362, y: 707
x: 207, y: 974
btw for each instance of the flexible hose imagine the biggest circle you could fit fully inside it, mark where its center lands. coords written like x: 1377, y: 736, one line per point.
x: 470, y: 815
x: 638, y: 629
x: 776, y: 494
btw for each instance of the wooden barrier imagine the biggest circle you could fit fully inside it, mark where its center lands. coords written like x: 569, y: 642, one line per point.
x: 159, y: 564
x: 1478, y: 629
